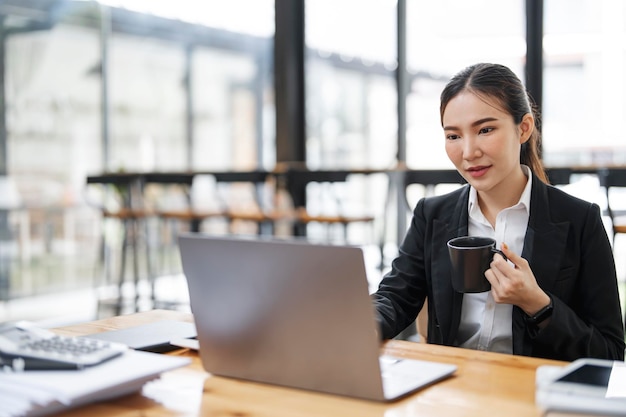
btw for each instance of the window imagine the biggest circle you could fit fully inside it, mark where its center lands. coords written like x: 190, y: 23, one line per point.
x: 443, y: 37
x: 584, y: 85
x: 351, y: 93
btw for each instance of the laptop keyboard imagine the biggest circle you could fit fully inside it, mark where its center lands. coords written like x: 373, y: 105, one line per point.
x: 392, y: 367
x: 399, y: 374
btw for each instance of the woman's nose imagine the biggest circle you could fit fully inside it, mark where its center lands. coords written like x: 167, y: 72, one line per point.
x: 471, y: 149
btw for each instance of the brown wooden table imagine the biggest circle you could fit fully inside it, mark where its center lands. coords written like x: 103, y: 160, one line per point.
x: 485, y: 384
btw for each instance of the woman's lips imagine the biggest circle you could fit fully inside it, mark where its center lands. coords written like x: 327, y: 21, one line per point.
x: 477, y: 172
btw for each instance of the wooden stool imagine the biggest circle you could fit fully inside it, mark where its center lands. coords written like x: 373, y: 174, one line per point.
x: 132, y: 222
x: 304, y: 218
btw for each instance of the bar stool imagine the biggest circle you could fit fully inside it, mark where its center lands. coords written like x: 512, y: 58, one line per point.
x: 125, y: 232
x: 181, y: 203
x: 189, y: 199
x: 235, y: 197
x: 304, y: 218
x: 135, y: 233
x: 252, y: 198
x: 322, y: 197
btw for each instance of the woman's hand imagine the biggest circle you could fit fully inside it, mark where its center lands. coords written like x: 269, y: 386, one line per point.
x: 515, y: 284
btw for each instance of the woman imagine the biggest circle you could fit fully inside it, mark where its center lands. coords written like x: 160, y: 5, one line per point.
x: 556, y: 296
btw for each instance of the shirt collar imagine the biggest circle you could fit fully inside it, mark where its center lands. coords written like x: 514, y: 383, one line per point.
x: 524, y: 201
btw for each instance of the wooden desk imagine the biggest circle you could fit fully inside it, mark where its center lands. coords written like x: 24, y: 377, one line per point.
x: 485, y: 384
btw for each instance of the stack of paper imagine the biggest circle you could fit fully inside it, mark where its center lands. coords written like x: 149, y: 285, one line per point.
x: 38, y: 393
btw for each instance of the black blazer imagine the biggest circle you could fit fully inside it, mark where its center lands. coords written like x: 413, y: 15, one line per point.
x: 568, y: 250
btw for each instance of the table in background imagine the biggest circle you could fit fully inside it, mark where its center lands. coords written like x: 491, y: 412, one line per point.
x: 485, y: 384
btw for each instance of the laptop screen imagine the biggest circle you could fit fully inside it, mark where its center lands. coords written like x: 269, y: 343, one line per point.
x: 283, y: 312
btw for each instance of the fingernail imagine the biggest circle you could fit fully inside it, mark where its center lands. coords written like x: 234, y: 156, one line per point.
x: 505, y: 246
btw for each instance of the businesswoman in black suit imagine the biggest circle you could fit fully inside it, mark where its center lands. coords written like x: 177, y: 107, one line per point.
x: 556, y: 296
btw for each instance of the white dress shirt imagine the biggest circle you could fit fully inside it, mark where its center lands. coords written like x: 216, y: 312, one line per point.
x: 486, y: 325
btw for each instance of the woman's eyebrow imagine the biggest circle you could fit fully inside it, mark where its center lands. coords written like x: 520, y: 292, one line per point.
x: 484, y: 120
x: 474, y: 124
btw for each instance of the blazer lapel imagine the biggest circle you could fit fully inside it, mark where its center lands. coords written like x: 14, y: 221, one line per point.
x: 545, y: 240
x: 544, y: 244
x: 445, y: 229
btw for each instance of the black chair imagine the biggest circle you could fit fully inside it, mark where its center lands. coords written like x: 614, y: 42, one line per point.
x: 559, y: 176
x: 611, y: 180
x: 429, y: 179
x: 614, y: 181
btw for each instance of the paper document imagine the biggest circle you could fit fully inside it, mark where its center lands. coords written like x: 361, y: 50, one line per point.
x: 37, y: 393
x: 617, y: 381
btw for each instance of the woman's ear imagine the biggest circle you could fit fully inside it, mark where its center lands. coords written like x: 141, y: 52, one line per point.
x: 526, y: 127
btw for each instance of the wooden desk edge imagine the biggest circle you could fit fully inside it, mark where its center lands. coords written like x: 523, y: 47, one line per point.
x: 399, y: 348
x: 468, y: 361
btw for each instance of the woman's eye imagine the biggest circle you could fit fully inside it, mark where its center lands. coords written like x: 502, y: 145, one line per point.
x: 485, y: 130
x: 452, y: 137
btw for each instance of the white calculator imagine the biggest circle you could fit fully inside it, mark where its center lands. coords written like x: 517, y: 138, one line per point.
x: 24, y: 346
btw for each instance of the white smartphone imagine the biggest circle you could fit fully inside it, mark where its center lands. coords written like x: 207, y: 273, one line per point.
x: 581, y: 386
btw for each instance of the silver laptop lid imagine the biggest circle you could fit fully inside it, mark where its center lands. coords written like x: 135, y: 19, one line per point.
x: 283, y: 312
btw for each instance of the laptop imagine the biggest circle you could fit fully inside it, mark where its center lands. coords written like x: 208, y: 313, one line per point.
x: 294, y: 314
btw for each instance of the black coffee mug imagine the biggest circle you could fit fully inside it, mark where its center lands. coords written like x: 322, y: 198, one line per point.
x: 470, y: 257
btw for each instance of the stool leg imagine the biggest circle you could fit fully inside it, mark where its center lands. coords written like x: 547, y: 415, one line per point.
x: 135, y: 239
x: 102, y: 269
x: 149, y: 269
x: 120, y: 282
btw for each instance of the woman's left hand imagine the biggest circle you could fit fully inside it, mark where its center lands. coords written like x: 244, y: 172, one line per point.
x: 515, y: 284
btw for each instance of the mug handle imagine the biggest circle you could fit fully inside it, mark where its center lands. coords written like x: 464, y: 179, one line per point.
x: 498, y: 251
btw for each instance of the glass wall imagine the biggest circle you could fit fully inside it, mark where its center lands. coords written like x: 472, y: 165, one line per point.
x: 584, y: 87
x: 351, y: 106
x: 192, y: 88
x: 53, y: 140
x: 231, y: 93
x: 584, y: 84
x: 146, y: 104
x: 443, y: 37
x: 351, y: 94
x: 188, y: 87
x: 52, y: 111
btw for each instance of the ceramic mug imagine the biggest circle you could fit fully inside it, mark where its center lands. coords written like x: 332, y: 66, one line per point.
x: 470, y: 257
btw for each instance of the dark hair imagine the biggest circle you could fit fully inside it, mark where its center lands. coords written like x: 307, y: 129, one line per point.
x: 500, y: 83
